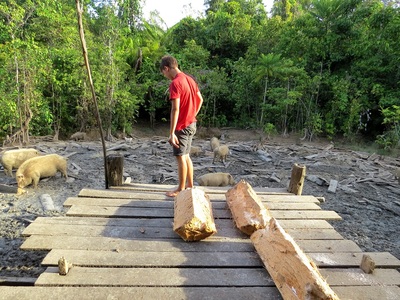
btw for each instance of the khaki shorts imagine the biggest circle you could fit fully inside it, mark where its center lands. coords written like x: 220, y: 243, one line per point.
x: 185, y: 137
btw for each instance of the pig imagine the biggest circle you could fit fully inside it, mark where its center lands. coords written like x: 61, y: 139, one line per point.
x: 220, y: 153
x: 216, y: 179
x: 214, y: 143
x: 78, y: 136
x: 14, y: 158
x: 39, y: 167
x: 195, y: 151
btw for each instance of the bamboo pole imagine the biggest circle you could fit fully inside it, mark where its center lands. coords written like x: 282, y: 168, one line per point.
x: 79, y: 9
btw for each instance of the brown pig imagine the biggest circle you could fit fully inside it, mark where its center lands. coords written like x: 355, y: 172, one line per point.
x: 78, y: 136
x: 39, y: 167
x: 14, y: 158
x: 216, y: 179
x: 221, y: 153
x: 214, y: 143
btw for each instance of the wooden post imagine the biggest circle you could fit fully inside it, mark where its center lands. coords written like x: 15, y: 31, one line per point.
x: 297, y: 179
x: 367, y: 264
x: 115, y: 168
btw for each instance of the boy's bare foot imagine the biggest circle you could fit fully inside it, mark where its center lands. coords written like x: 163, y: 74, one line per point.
x: 172, y: 193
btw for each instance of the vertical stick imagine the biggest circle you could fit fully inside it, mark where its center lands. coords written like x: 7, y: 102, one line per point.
x: 79, y: 9
x: 297, y: 179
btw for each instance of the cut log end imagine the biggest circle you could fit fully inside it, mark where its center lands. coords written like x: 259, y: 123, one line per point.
x: 193, y: 218
x: 247, y: 208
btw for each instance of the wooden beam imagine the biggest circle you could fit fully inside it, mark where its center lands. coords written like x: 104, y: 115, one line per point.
x: 247, y: 209
x: 193, y: 217
x: 294, y: 274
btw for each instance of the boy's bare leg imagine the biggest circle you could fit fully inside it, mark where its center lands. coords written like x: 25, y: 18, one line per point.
x: 182, y: 174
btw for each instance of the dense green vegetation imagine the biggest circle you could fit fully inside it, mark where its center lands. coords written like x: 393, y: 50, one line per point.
x: 315, y: 67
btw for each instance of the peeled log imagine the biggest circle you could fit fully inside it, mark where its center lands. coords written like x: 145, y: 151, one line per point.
x: 247, y: 208
x: 193, y: 218
x: 294, y: 274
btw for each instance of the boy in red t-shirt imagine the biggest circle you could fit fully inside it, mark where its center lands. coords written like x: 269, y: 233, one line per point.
x: 186, y: 101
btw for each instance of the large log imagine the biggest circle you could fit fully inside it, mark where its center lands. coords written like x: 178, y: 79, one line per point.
x: 247, y: 208
x: 193, y: 218
x: 294, y: 274
x: 297, y: 179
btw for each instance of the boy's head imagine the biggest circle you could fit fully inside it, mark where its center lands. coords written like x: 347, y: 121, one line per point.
x: 168, y: 61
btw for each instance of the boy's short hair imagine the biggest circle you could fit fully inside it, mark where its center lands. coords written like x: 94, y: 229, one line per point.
x: 168, y: 61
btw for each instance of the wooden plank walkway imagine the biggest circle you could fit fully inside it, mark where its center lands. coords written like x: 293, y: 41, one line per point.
x: 122, y: 246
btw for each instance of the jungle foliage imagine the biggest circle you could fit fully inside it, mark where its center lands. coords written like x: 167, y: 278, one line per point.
x: 316, y: 67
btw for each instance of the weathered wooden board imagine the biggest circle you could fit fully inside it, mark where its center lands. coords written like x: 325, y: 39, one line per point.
x: 142, y: 228
x: 208, y: 189
x: 149, y: 195
x: 109, y: 258
x: 328, y: 246
x: 291, y: 206
x: 354, y: 277
x: 314, y: 234
x: 154, y: 259
x: 165, y: 222
x: 38, y: 242
x: 129, y: 212
x: 353, y: 260
x: 306, y: 214
x: 367, y: 292
x: 119, y: 231
x: 129, y: 293
x: 303, y: 224
x: 210, y: 277
x: 169, y: 203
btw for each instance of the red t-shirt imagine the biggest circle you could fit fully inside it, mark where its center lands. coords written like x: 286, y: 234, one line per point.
x: 185, y: 88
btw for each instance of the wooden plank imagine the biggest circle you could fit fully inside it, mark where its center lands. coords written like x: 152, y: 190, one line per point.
x: 314, y: 234
x: 7, y: 280
x: 169, y: 203
x: 306, y: 214
x: 162, y: 188
x: 151, y: 203
x: 162, y: 228
x: 154, y: 259
x: 288, y: 225
x: 130, y: 212
x: 328, y: 246
x: 367, y: 292
x: 128, y: 293
x: 291, y: 206
x: 338, y: 260
x: 119, y: 231
x: 159, y: 195
x: 38, y: 242
x: 207, y: 189
x: 354, y: 277
x: 214, y: 277
x: 303, y: 224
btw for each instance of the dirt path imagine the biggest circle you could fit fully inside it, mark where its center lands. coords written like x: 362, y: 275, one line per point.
x: 367, y: 197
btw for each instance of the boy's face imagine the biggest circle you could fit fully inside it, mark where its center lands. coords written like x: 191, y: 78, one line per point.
x: 166, y: 71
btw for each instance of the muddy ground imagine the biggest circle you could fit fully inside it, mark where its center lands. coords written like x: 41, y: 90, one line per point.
x: 367, y: 196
